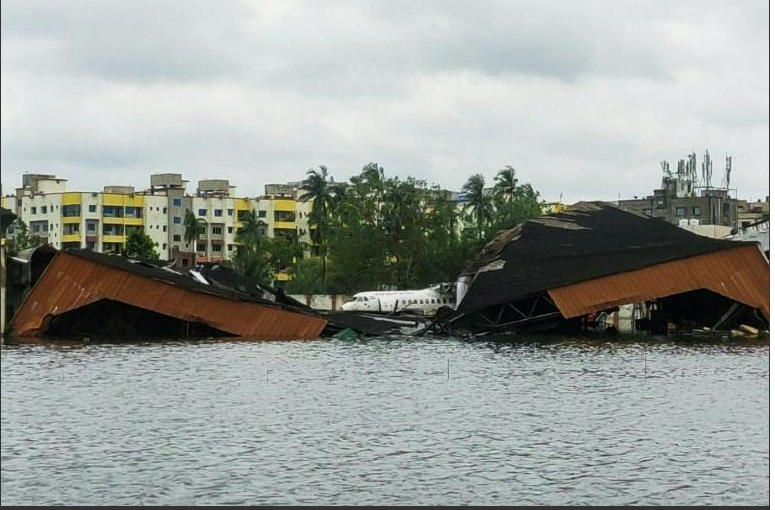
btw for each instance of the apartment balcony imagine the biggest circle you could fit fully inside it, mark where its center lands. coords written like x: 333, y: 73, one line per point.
x: 107, y: 238
x: 285, y: 225
x: 71, y: 238
x: 284, y: 205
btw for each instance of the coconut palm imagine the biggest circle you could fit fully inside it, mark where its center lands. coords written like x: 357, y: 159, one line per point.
x: 250, y: 257
x: 195, y: 227
x: 321, y: 191
x: 506, y: 184
x: 373, y: 177
x: 251, y: 231
x: 479, y: 202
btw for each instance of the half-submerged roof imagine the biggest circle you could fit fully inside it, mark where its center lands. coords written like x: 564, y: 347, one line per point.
x: 587, y: 241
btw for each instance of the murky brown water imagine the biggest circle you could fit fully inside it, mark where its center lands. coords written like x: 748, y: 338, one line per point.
x: 400, y: 420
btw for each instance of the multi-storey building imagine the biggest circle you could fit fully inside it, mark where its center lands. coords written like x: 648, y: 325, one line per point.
x: 681, y: 197
x: 102, y: 220
x: 751, y: 213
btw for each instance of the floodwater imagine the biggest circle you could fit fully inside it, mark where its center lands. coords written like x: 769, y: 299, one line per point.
x: 386, y: 421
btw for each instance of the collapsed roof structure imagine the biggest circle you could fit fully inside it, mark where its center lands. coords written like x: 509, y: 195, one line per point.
x: 595, y: 256
x: 81, y: 292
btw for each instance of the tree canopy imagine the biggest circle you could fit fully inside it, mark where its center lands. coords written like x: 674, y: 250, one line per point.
x: 386, y: 232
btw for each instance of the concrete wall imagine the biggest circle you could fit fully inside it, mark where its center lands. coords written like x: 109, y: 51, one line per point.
x: 322, y: 301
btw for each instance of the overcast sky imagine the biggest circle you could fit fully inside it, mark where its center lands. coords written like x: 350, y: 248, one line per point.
x: 583, y: 98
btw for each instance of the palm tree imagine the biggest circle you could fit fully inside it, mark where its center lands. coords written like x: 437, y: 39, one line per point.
x: 506, y: 184
x: 317, y: 188
x: 479, y: 201
x: 373, y: 176
x: 250, y: 257
x: 251, y: 231
x: 195, y: 227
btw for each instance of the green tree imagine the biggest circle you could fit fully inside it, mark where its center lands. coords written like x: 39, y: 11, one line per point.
x: 307, y: 277
x: 506, y: 184
x: 282, y: 252
x: 250, y: 257
x: 195, y: 228
x: 317, y: 188
x: 479, y: 202
x: 140, y: 245
x: 22, y: 238
x: 523, y: 206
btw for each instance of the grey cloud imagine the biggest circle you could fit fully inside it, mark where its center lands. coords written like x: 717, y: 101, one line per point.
x: 135, y: 41
x: 582, y: 98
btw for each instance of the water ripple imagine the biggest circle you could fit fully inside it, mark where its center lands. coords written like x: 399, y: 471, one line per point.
x: 383, y: 421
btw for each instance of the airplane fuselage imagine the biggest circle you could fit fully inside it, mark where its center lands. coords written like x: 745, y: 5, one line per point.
x: 424, y: 301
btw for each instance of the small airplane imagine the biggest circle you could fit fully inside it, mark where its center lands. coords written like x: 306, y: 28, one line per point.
x: 424, y: 301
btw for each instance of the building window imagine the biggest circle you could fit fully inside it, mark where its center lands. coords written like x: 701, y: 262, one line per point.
x: 164, y: 228
x: 217, y: 247
x: 262, y: 214
x: 33, y: 210
x: 217, y: 230
x: 697, y: 211
x: 202, y: 212
x: 91, y: 226
x: 133, y: 212
x: 90, y: 245
x: 218, y: 212
x: 680, y: 212
x: 69, y: 211
x: 164, y: 246
x: 164, y: 211
x: 176, y: 202
x: 660, y: 203
x: 92, y: 208
x: 176, y: 220
x: 230, y: 247
x: 286, y: 216
x: 43, y: 210
x: 111, y: 211
x: 231, y: 229
x: 230, y: 212
x: 200, y: 247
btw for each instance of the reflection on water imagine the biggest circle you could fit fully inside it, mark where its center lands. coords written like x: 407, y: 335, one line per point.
x: 393, y: 420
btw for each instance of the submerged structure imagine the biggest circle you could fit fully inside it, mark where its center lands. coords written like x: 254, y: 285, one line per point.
x: 76, y: 293
x: 556, y: 270
x: 83, y: 292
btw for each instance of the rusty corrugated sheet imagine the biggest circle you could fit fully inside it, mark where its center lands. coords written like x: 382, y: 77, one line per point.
x: 741, y: 273
x: 70, y: 282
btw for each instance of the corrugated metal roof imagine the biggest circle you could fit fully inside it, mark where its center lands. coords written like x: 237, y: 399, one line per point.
x: 72, y: 281
x: 740, y: 273
x: 587, y: 241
